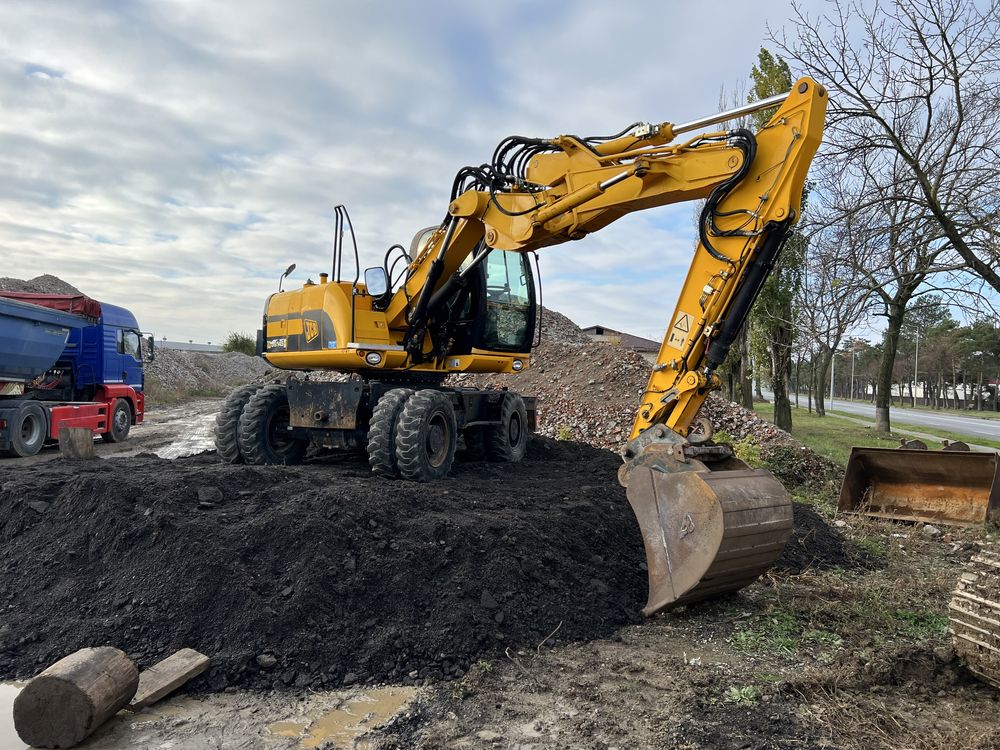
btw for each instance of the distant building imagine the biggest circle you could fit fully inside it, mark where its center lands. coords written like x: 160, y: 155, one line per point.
x: 188, y: 346
x: 646, y: 347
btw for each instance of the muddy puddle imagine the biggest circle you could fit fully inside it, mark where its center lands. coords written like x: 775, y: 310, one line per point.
x: 8, y: 737
x: 334, y: 719
x: 341, y: 726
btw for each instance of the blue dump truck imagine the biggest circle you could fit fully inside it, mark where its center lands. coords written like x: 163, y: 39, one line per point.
x: 66, y: 361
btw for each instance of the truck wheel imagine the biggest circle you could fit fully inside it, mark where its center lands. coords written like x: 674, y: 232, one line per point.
x: 382, y: 432
x: 121, y: 423
x: 508, y: 440
x: 426, y: 436
x: 227, y: 424
x: 28, y: 430
x: 263, y: 432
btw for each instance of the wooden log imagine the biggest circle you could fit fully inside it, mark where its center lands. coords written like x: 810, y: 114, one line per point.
x: 61, y: 706
x: 166, y: 676
x: 76, y: 442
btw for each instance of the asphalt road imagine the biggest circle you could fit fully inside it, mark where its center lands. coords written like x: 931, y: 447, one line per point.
x: 980, y: 428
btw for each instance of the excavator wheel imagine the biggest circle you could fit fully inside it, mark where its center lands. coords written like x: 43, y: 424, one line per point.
x: 263, y: 433
x: 382, y: 432
x: 974, y: 615
x: 227, y: 423
x: 426, y: 436
x: 508, y: 440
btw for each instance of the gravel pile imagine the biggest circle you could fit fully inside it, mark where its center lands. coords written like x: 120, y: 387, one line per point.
x: 196, y: 372
x: 44, y: 284
x: 588, y: 390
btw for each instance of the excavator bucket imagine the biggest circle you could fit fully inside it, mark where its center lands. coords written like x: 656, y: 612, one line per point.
x: 707, y: 532
x: 950, y: 487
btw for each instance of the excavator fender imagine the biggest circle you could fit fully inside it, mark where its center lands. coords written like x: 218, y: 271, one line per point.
x: 706, y: 532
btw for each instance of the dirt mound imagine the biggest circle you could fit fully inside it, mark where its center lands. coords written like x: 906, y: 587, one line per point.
x: 44, y: 284
x: 789, y: 460
x: 317, y: 575
x: 587, y: 390
x: 815, y: 545
x: 174, y: 373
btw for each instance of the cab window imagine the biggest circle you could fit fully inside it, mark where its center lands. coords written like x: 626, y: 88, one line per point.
x: 508, y: 301
x: 128, y: 343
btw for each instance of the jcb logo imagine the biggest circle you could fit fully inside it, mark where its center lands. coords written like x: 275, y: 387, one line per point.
x: 312, y: 330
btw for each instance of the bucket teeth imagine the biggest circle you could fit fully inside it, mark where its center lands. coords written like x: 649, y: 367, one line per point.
x: 707, y: 533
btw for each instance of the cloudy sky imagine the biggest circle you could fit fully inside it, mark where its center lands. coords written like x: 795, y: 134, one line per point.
x: 174, y: 156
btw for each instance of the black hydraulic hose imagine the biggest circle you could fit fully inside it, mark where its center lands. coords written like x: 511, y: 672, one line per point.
x: 756, y: 275
x: 419, y: 314
x: 746, y: 141
x: 457, y: 280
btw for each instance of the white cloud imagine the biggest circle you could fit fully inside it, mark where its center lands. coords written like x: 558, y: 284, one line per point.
x: 174, y: 157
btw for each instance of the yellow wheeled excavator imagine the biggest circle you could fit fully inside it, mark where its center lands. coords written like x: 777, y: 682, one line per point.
x: 462, y: 299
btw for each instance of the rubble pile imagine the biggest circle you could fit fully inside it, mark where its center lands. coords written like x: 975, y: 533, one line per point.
x: 44, y: 284
x: 174, y: 371
x: 586, y: 390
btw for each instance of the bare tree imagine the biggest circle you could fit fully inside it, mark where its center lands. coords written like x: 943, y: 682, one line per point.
x: 831, y: 300
x: 920, y: 80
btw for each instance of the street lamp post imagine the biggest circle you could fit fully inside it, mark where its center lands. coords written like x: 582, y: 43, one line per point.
x: 916, y: 355
x: 854, y: 352
x: 833, y: 363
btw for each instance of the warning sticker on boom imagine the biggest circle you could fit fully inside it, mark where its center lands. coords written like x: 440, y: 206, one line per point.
x: 679, y: 330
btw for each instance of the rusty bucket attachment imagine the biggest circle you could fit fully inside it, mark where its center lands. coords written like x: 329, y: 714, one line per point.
x: 707, y: 532
x: 950, y: 487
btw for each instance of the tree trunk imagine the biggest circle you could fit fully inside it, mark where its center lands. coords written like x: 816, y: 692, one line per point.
x: 884, y: 387
x: 746, y: 372
x: 73, y: 697
x: 812, y: 380
x: 821, y: 380
x: 979, y: 392
x: 798, y: 379
x: 781, y: 372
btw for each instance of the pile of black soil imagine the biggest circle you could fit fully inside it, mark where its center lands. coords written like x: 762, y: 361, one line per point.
x: 318, y: 575
x: 322, y: 575
x: 815, y: 545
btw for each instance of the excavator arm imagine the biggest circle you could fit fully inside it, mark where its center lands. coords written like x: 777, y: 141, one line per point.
x: 709, y: 523
x: 538, y: 193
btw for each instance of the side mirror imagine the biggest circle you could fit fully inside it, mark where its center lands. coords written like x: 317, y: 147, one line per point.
x: 375, y: 281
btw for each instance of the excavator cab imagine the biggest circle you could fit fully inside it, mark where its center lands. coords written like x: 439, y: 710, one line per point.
x: 498, y: 310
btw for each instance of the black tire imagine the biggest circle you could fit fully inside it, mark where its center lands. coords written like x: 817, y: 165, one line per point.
x: 227, y: 423
x: 508, y: 440
x: 426, y: 436
x: 263, y: 424
x: 121, y: 423
x: 27, y: 430
x: 382, y: 432
x: 475, y: 443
